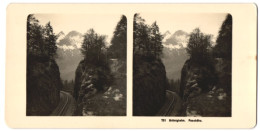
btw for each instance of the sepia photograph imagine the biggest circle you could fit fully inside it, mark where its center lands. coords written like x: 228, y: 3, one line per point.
x: 76, y: 65
x: 135, y: 66
x: 182, y: 64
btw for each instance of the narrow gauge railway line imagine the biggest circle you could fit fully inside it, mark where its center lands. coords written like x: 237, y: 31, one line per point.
x: 169, y: 104
x: 63, y: 105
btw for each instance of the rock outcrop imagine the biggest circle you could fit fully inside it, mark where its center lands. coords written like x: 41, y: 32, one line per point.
x: 89, y: 80
x: 205, y: 89
x: 149, y: 85
x: 195, y: 79
x: 43, y: 87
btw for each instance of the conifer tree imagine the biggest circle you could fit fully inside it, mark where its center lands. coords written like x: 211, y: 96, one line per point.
x: 198, y: 46
x: 41, y: 40
x: 147, y: 39
x: 50, y: 40
x: 92, y: 46
x: 118, y: 41
x: 223, y: 48
x: 156, y: 40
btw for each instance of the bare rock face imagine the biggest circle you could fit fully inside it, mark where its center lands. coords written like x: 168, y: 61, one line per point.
x: 89, y: 80
x: 205, y: 89
x: 43, y: 87
x: 196, y: 79
x: 149, y: 85
x: 101, y: 90
x: 83, y: 88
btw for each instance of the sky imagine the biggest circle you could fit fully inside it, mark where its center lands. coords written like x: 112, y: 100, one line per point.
x: 102, y: 24
x: 209, y: 23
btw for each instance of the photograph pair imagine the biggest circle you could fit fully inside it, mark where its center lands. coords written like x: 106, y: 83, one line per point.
x: 77, y: 64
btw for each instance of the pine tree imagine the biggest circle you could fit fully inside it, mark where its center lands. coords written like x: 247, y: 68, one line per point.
x: 223, y: 48
x: 198, y: 46
x: 50, y: 39
x: 147, y: 39
x: 92, y: 46
x: 118, y: 41
x: 156, y: 40
x: 140, y: 35
x: 35, y: 39
x: 41, y: 41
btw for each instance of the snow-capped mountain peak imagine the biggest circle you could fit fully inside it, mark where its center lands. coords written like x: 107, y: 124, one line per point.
x: 174, y: 53
x: 166, y: 35
x: 176, y: 41
x: 60, y: 35
x: 76, y: 40
x: 69, y: 54
x: 71, y: 41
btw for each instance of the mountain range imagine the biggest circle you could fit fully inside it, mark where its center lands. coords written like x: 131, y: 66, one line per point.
x: 174, y: 52
x: 68, y: 53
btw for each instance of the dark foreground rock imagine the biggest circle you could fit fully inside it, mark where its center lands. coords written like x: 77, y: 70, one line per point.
x: 149, y: 85
x: 43, y: 86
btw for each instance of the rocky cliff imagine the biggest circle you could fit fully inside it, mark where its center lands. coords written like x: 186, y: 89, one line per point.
x: 149, y: 85
x: 90, y: 80
x: 205, y: 89
x: 43, y: 86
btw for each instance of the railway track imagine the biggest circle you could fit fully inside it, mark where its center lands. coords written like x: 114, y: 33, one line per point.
x: 168, y: 107
x: 63, y: 105
x: 171, y: 105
